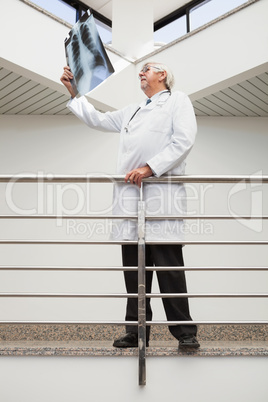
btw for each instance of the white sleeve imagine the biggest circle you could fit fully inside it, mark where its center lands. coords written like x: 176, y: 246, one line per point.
x: 182, y: 139
x: 109, y: 121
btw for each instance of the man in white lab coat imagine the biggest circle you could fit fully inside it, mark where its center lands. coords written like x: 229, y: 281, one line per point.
x: 155, y: 139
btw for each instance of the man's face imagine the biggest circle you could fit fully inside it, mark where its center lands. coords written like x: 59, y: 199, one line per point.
x: 150, y: 79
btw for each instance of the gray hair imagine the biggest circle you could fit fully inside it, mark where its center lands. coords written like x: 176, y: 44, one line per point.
x: 169, y: 81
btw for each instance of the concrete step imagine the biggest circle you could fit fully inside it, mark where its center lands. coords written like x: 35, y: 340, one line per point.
x: 105, y: 348
x: 86, y: 332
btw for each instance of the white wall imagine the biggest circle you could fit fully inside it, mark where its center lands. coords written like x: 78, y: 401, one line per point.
x: 229, y: 146
x: 68, y: 379
x: 63, y: 145
x: 57, y: 145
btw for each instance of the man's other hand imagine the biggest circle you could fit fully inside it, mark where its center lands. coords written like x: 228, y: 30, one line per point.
x: 135, y: 176
x: 66, y: 78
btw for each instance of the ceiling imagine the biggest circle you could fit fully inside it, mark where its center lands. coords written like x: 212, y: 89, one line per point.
x: 247, y: 98
x: 161, y: 8
x: 22, y: 96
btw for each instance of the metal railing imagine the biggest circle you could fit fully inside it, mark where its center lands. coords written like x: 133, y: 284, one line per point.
x: 141, y: 241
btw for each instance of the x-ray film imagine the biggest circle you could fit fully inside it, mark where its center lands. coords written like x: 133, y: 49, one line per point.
x: 86, y: 55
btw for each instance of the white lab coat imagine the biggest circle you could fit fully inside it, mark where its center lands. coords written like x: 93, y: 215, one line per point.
x: 160, y: 134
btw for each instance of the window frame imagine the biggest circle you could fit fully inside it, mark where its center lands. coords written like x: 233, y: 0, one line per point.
x: 161, y: 23
x: 180, y: 12
x: 81, y: 7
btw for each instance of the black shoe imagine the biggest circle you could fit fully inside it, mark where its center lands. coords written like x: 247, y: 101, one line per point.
x: 188, y: 341
x: 129, y: 340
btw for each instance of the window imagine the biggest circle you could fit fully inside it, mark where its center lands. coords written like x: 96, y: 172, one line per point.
x: 171, y: 31
x: 191, y: 16
x: 210, y: 10
x: 104, y: 30
x: 58, y: 8
x: 187, y: 18
x: 71, y: 10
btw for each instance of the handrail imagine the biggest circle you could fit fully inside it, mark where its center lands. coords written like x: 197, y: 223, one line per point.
x: 148, y: 323
x: 133, y: 295
x: 71, y: 295
x: 50, y: 178
x: 149, y: 218
x: 190, y: 242
x: 158, y: 268
x: 141, y: 217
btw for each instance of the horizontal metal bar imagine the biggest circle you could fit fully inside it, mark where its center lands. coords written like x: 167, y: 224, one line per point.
x: 134, y: 295
x: 65, y: 242
x: 49, y: 178
x: 149, y: 218
x: 158, y: 268
x: 205, y: 217
x: 105, y: 242
x: 210, y: 179
x: 16, y: 322
x: 265, y: 322
x: 215, y: 242
x: 68, y: 217
x: 148, y: 323
x: 201, y: 295
x: 61, y: 268
x: 71, y: 295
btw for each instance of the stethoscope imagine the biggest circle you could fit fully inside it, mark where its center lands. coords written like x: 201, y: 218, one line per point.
x: 159, y: 102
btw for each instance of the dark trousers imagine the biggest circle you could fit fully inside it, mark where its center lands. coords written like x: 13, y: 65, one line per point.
x: 177, y: 309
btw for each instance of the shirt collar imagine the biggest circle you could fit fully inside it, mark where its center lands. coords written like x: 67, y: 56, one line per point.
x: 155, y: 96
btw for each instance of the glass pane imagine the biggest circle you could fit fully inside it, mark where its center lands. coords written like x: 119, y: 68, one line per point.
x: 104, y: 30
x: 58, y: 8
x: 211, y: 9
x: 172, y: 31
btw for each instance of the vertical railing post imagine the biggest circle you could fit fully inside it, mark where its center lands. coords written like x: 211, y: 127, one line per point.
x: 141, y: 290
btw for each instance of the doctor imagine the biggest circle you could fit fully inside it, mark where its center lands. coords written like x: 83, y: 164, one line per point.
x: 155, y: 139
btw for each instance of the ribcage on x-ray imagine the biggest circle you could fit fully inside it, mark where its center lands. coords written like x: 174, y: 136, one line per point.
x: 77, y: 67
x: 89, y: 43
x: 86, y: 56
